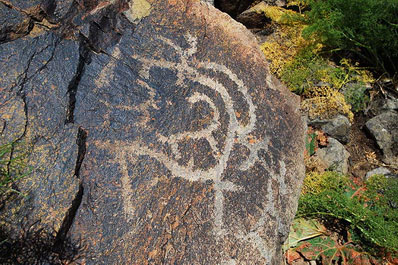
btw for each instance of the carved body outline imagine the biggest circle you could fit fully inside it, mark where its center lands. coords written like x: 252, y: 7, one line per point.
x: 237, y: 133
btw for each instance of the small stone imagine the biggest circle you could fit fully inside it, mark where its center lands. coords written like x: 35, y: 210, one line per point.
x: 275, y: 2
x: 338, y: 127
x: 254, y: 17
x: 391, y: 104
x: 335, y: 156
x: 384, y: 129
x: 211, y: 2
x: 378, y: 171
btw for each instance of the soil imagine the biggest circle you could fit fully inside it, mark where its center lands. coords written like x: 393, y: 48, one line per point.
x: 365, y: 155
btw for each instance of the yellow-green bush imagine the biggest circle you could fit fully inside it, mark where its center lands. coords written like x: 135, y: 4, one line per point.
x: 324, y: 103
x: 315, y: 182
x: 298, y: 63
x: 282, y: 46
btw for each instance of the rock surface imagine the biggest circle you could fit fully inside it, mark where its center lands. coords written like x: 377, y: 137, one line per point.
x: 338, y: 127
x: 334, y: 156
x: 233, y: 7
x: 378, y: 171
x: 391, y: 104
x: 382, y: 104
x: 384, y: 128
x: 146, y: 145
x: 254, y: 17
x: 209, y: 1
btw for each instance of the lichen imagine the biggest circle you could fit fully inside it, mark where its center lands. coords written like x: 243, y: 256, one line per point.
x: 138, y: 10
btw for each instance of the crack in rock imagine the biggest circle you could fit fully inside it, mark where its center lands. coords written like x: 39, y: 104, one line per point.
x: 84, y: 57
x: 71, y: 213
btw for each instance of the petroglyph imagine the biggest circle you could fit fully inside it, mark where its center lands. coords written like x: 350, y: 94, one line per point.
x: 238, y: 132
x: 107, y: 72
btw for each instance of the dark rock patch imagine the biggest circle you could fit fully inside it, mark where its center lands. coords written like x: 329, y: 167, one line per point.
x: 233, y: 7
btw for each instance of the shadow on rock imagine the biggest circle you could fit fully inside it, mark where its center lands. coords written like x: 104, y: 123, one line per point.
x: 36, y: 246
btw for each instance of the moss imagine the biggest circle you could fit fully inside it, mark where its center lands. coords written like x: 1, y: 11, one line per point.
x: 295, y: 61
x: 315, y: 183
x: 325, y: 103
x: 138, y: 10
x: 298, y: 63
x: 281, y: 48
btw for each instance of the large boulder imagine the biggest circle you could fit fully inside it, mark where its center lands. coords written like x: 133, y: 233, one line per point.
x: 13, y: 24
x: 156, y: 133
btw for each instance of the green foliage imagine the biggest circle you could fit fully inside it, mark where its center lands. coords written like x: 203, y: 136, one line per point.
x: 370, y: 212
x: 315, y: 182
x: 324, y: 247
x: 381, y: 196
x: 367, y: 28
x: 325, y: 103
x: 307, y: 69
x: 310, y: 143
x: 356, y: 96
x: 12, y: 166
x: 299, y: 3
x: 310, y: 239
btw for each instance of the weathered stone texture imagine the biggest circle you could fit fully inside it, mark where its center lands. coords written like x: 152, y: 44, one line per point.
x: 157, y: 136
x: 384, y: 129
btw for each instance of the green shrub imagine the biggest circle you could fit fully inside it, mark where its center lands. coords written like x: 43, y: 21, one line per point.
x: 12, y: 166
x: 307, y: 69
x: 315, y: 182
x: 367, y: 28
x: 370, y: 212
x: 356, y: 96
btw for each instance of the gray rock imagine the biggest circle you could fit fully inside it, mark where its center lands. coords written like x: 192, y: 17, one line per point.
x: 254, y: 17
x: 384, y: 129
x: 209, y: 1
x: 275, y: 2
x: 13, y: 24
x: 338, y: 127
x: 391, y: 104
x: 382, y: 103
x: 335, y: 156
x: 378, y: 171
